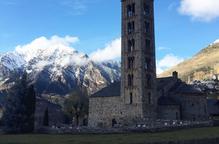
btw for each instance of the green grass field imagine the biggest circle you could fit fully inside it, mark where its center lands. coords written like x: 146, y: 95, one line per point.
x: 198, y: 133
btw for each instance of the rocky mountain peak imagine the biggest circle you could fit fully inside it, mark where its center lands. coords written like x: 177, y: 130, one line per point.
x: 58, y: 69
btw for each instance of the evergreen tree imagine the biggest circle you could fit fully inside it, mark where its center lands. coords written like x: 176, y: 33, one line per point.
x: 20, y: 107
x: 46, y: 117
x: 30, y: 103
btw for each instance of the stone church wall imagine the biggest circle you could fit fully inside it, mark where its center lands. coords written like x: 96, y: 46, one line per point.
x: 169, y: 112
x: 194, y: 108
x: 104, y: 111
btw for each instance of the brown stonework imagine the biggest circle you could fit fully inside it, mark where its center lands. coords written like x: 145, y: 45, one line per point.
x: 139, y: 94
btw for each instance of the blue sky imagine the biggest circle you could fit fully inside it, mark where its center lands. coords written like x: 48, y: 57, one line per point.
x: 183, y: 27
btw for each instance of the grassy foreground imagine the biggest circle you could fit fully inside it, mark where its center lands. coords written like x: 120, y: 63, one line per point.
x: 198, y: 133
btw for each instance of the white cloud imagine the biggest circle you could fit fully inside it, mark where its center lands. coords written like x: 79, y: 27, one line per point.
x: 163, y: 48
x: 43, y: 46
x: 203, y: 10
x: 56, y: 51
x: 110, y: 52
x: 61, y: 49
x: 216, y: 41
x: 167, y: 62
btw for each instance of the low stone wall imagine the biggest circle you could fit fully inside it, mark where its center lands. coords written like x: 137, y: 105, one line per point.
x: 171, y: 124
x: 87, y: 130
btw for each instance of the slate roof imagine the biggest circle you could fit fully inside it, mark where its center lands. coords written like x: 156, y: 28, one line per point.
x: 164, y: 100
x: 184, y: 88
x: 179, y: 87
x: 161, y: 82
x: 110, y: 91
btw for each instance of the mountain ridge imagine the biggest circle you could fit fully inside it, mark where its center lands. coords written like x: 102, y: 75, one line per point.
x: 58, y: 69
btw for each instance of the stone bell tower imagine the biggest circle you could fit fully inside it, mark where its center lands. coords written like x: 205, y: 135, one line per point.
x: 138, y: 82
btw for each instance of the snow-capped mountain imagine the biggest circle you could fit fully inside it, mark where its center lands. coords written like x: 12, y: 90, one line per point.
x: 58, y: 69
x: 10, y: 62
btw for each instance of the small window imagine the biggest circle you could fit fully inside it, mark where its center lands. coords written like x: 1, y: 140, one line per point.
x: 131, y: 62
x: 131, y: 45
x: 149, y: 98
x: 146, y: 9
x: 131, y: 27
x: 147, y: 63
x: 131, y: 99
x: 133, y: 8
x: 130, y: 10
x: 148, y: 77
x: 147, y: 44
x: 114, y: 122
x: 147, y: 27
x: 177, y: 116
x: 130, y: 80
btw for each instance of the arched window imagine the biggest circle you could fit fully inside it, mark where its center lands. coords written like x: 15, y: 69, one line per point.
x: 131, y: 61
x: 130, y: 10
x: 147, y: 27
x: 131, y: 27
x: 146, y: 9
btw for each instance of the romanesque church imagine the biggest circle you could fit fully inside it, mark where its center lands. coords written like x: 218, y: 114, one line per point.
x: 140, y: 96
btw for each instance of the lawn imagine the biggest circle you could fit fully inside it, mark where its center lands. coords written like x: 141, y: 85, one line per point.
x: 198, y: 133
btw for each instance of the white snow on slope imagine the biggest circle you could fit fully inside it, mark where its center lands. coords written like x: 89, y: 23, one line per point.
x: 12, y: 60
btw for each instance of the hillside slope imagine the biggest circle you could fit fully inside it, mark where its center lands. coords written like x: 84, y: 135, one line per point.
x: 202, y: 66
